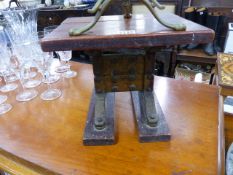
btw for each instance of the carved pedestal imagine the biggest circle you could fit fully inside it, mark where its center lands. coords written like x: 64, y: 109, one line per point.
x: 124, y: 70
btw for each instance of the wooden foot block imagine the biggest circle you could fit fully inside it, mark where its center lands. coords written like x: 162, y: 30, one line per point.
x: 148, y: 133
x: 106, y: 136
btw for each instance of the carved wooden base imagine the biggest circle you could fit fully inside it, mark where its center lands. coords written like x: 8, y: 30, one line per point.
x: 124, y: 70
x: 152, y: 125
x: 100, y: 122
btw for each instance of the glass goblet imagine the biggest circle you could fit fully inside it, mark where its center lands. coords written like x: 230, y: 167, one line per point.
x: 4, y: 72
x: 51, y: 78
x: 3, y: 99
x: 29, y: 82
x: 28, y: 61
x: 50, y: 93
x: 26, y: 94
x: 4, y: 108
x: 62, y: 67
x: 66, y: 57
x: 4, y: 62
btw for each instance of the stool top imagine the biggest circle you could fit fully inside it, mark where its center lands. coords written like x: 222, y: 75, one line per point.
x: 111, y: 32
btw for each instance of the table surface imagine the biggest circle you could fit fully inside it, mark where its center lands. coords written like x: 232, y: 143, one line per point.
x: 40, y: 137
x: 113, y: 32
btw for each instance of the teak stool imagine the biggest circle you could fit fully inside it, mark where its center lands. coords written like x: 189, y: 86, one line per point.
x: 123, y: 53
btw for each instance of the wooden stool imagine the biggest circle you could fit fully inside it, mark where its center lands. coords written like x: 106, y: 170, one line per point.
x: 124, y: 60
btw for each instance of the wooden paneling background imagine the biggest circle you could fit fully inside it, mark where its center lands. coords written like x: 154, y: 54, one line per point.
x: 209, y: 3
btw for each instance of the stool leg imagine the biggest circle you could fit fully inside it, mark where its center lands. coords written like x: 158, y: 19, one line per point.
x: 151, y: 122
x: 152, y: 125
x: 100, y: 128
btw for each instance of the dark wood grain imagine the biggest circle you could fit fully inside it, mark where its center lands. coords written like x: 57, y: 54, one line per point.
x: 196, y: 56
x: 147, y: 133
x: 119, y: 70
x: 117, y: 32
x: 106, y: 136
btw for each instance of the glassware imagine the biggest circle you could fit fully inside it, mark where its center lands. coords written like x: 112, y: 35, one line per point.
x: 4, y: 71
x: 63, y: 67
x: 3, y: 98
x: 4, y: 108
x: 26, y: 94
x: 66, y: 56
x: 51, y: 78
x: 29, y: 82
x: 50, y: 93
x: 23, y: 23
x: 22, y: 33
x: 8, y: 87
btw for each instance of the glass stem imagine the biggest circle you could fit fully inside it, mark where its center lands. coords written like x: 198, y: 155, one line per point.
x: 68, y: 64
x: 28, y: 73
x: 60, y: 60
x: 5, y: 79
x: 21, y: 82
x: 49, y: 86
x: 47, y: 78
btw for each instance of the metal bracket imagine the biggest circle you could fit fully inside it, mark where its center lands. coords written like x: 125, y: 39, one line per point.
x: 150, y: 110
x: 100, y: 115
x: 101, y: 5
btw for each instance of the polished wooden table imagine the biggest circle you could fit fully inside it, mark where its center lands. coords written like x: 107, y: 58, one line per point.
x: 40, y: 137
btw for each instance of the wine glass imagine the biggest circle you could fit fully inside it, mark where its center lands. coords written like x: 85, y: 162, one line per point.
x: 4, y: 72
x: 5, y: 62
x: 4, y: 107
x: 21, y: 31
x: 3, y: 98
x: 63, y: 67
x: 50, y: 93
x: 13, y: 65
x: 26, y: 94
x: 31, y: 80
x: 51, y: 78
x: 66, y: 57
